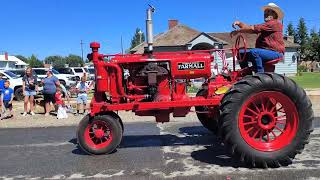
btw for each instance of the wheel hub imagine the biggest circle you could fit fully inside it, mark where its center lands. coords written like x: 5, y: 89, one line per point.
x: 99, y: 133
x: 266, y: 120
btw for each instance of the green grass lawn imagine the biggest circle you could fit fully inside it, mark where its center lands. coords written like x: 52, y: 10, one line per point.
x: 308, y: 80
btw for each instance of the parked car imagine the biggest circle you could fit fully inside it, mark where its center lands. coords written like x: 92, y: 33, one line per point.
x: 65, y: 79
x: 15, y: 83
x: 91, y: 72
x: 79, y: 71
x: 18, y: 72
x: 68, y: 72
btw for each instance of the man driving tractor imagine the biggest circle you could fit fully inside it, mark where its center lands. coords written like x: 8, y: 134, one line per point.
x: 270, y: 43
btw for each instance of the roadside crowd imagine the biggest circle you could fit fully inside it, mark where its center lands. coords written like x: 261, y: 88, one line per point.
x: 53, y: 93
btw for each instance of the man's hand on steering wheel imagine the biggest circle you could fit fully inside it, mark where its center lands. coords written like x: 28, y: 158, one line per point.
x: 234, y: 33
x: 235, y: 24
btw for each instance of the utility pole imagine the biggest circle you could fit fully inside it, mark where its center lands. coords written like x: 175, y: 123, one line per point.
x: 121, y: 45
x: 81, y: 44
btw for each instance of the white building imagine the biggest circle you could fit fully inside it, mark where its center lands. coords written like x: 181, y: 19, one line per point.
x: 11, y: 62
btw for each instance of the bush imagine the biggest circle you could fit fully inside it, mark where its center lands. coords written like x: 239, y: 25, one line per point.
x: 301, y: 68
x: 193, y: 89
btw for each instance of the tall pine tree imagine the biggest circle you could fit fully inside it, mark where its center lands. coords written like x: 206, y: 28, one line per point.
x: 302, y: 38
x: 313, y: 47
x: 291, y: 30
x: 137, y: 38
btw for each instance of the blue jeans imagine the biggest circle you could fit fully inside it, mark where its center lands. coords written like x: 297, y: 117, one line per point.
x: 82, y: 98
x: 30, y: 93
x: 258, y: 57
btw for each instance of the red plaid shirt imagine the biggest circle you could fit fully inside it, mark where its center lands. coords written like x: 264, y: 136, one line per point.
x: 270, y: 36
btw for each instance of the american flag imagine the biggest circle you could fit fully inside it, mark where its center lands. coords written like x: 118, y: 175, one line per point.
x: 222, y: 55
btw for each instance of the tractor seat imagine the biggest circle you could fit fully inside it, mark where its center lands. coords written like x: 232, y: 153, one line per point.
x: 269, y: 66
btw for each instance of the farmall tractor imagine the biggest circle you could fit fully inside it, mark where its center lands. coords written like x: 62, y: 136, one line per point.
x: 264, y: 119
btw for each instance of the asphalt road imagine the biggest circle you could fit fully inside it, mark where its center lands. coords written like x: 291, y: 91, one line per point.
x: 176, y: 150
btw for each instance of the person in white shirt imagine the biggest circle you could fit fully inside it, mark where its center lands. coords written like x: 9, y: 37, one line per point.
x: 82, y: 89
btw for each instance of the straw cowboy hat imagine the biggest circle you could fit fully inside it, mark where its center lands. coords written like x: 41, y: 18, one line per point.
x: 275, y: 8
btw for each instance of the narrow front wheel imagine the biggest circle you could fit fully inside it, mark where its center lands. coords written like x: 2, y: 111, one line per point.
x: 99, y: 135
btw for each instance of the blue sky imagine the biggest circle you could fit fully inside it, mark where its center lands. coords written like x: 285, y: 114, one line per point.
x: 55, y: 27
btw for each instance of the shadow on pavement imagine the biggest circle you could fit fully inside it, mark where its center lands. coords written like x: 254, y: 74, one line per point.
x: 187, y: 136
x: 214, y: 152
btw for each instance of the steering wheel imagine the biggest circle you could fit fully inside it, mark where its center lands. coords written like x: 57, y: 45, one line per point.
x: 244, y: 48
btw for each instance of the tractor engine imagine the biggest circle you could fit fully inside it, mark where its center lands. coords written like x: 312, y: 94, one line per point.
x: 149, y: 79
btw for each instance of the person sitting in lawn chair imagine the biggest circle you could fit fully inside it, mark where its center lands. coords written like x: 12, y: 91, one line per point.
x: 270, y: 43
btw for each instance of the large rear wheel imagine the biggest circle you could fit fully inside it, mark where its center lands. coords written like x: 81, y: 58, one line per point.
x: 99, y: 135
x: 266, y: 120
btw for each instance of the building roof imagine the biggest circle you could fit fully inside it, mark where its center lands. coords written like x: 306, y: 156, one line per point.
x: 13, y: 59
x: 177, y: 36
x: 251, y: 40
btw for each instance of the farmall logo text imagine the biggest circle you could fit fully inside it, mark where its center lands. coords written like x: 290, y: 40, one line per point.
x: 190, y: 65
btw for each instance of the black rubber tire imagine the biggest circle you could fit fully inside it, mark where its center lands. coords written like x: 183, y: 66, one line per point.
x: 117, y: 117
x: 210, y: 123
x: 18, y: 94
x: 229, y: 128
x: 116, y: 134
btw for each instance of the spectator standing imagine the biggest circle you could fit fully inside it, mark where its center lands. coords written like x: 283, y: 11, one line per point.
x: 2, y: 81
x: 50, y: 84
x: 7, y: 98
x: 30, y: 89
x: 82, y: 89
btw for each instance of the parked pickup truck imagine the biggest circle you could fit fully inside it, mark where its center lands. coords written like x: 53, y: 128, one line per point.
x: 15, y: 83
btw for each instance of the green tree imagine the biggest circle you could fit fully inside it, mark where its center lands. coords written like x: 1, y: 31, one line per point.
x: 59, y: 63
x: 302, y: 32
x: 313, y: 47
x: 34, y: 62
x: 291, y: 30
x: 302, y: 38
x: 74, y: 60
x: 137, y: 38
x: 22, y: 58
x: 52, y: 59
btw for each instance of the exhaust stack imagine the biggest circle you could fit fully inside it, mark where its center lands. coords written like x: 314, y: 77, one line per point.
x: 149, y: 27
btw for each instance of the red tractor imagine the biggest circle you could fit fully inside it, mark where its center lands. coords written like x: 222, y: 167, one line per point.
x: 263, y: 119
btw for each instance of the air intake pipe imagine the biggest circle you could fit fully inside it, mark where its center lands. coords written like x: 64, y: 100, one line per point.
x: 149, y: 28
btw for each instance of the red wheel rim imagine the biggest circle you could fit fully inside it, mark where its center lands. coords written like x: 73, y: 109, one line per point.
x: 268, y: 121
x: 98, y: 134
